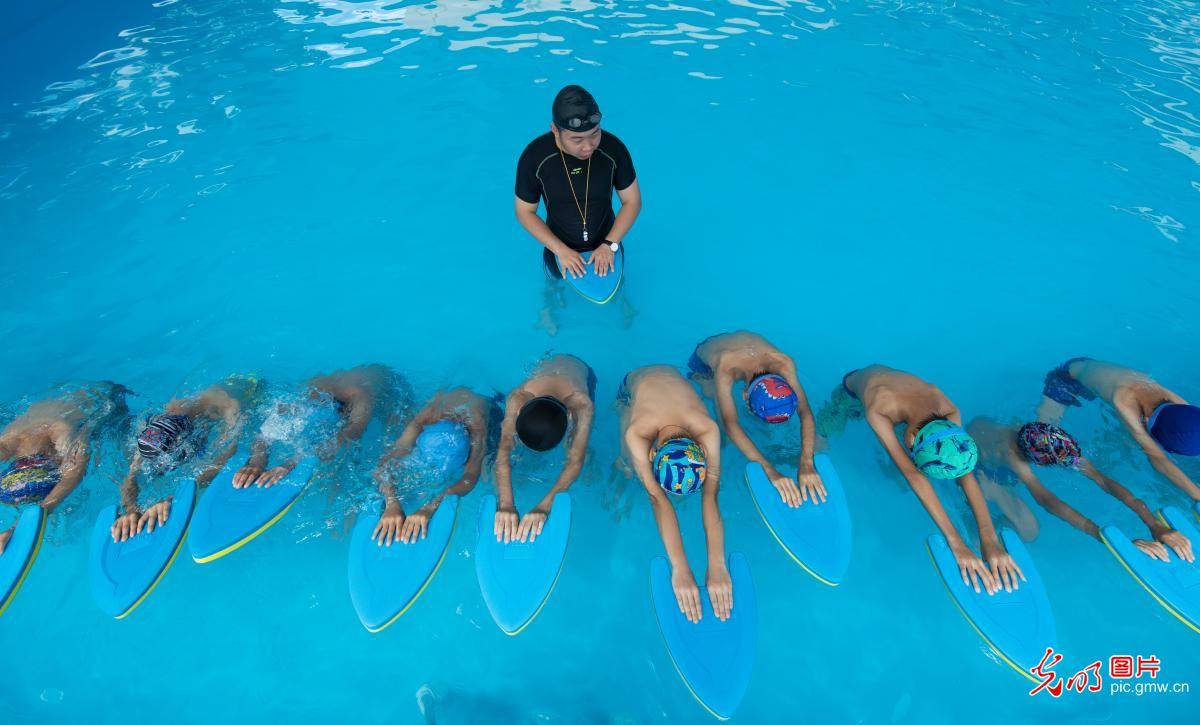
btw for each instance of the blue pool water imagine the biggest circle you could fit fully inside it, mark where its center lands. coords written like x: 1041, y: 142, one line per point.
x: 971, y: 191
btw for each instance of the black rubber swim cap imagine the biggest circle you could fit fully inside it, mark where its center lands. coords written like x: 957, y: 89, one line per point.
x: 575, y: 110
x: 542, y: 423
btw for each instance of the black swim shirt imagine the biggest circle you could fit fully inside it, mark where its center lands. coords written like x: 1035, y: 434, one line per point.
x: 540, y: 174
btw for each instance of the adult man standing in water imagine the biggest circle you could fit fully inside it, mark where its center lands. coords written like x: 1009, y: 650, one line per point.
x: 560, y: 167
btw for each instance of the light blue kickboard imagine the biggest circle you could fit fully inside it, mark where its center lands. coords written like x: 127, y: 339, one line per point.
x: 20, y: 552
x: 815, y: 535
x: 1018, y: 626
x: 124, y: 573
x: 714, y: 658
x: 386, y: 580
x: 226, y: 518
x: 594, y: 287
x: 517, y: 578
x: 1174, y: 584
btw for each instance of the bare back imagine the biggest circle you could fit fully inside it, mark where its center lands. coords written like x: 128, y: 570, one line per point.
x: 900, y: 397
x: 741, y: 355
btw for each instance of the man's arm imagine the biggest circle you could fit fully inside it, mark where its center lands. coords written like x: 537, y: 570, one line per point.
x: 506, y: 511
x: 810, y: 481
x: 1004, y: 568
x: 718, y: 581
x: 631, y: 206
x: 230, y: 411
x: 1161, y: 533
x: 1158, y: 457
x: 1052, y: 503
x: 973, y: 571
x: 75, y: 459
x: 583, y: 410
x: 727, y: 408
x: 527, y: 215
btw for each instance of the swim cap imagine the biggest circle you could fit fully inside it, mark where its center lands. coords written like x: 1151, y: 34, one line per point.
x: 679, y: 465
x: 165, y: 435
x: 28, y: 479
x: 1176, y: 427
x: 771, y: 398
x: 542, y: 423
x: 442, y: 447
x: 944, y: 450
x: 575, y: 110
x: 1048, y: 445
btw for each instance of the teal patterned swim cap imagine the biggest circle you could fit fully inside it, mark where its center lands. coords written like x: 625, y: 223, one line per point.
x: 944, y: 450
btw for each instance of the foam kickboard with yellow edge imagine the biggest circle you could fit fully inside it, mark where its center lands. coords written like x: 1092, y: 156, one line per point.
x: 713, y: 658
x: 816, y: 535
x: 592, y: 286
x: 386, y: 580
x: 227, y: 518
x: 1174, y: 584
x: 517, y: 578
x: 20, y: 552
x: 123, y: 573
x: 1017, y: 626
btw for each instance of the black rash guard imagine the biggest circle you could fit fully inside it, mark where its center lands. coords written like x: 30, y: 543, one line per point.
x: 541, y: 174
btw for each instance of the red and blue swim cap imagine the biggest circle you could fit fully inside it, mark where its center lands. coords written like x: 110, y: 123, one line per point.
x: 1048, y: 445
x: 771, y: 398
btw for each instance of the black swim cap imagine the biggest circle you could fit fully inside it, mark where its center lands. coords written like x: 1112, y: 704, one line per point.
x: 542, y: 423
x: 575, y: 110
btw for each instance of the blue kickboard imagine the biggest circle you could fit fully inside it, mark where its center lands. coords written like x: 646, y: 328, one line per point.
x: 815, y: 535
x: 517, y: 578
x: 1174, y: 584
x: 20, y: 552
x: 227, y: 518
x: 386, y: 580
x: 1018, y: 626
x: 594, y: 287
x: 714, y: 658
x: 124, y: 573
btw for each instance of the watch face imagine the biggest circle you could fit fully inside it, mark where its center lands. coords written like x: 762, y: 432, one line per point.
x: 613, y: 245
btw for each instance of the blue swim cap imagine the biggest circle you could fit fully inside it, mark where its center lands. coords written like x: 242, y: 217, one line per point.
x: 28, y: 480
x: 679, y: 466
x: 1176, y: 427
x: 771, y: 398
x: 944, y: 450
x: 442, y: 448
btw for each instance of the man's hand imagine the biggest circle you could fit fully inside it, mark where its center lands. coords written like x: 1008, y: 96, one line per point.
x: 1004, y: 570
x: 687, y: 594
x: 531, y: 525
x: 571, y: 262
x: 785, y: 486
x: 1152, y: 549
x: 247, y: 475
x: 273, y: 476
x: 506, y: 524
x: 5, y: 536
x: 602, y: 259
x: 389, y: 526
x: 812, y: 488
x: 720, y: 591
x: 971, y: 567
x: 1178, y: 543
x: 156, y: 515
x: 416, y: 525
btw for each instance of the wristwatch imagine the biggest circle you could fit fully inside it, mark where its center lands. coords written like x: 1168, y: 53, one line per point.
x: 614, y: 246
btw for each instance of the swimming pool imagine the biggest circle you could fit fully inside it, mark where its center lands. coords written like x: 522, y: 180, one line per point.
x: 972, y: 192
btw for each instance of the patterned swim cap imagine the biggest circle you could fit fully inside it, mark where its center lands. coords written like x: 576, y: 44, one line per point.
x: 28, y: 480
x: 771, y: 398
x: 679, y: 465
x: 1048, y: 445
x: 165, y: 435
x: 944, y: 450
